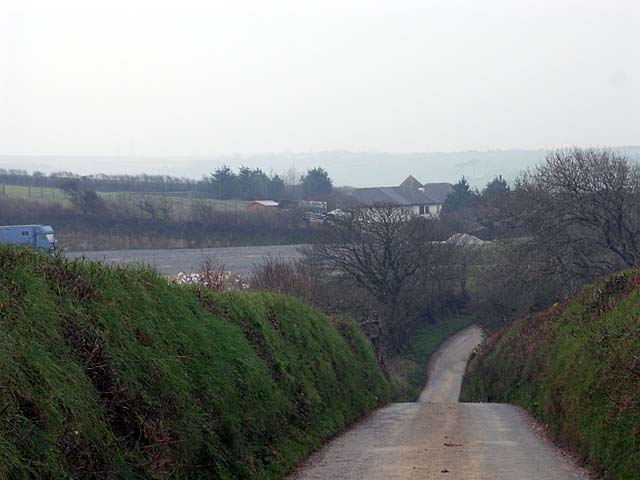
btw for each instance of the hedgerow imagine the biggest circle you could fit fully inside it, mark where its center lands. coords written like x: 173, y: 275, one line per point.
x: 112, y: 372
x: 576, y: 367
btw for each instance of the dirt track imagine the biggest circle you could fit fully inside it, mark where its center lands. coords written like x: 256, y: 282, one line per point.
x: 438, y: 438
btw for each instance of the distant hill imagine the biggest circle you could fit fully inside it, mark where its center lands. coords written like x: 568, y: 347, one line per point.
x: 357, y: 169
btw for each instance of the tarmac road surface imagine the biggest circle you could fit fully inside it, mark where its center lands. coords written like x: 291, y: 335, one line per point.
x: 171, y: 262
x: 439, y: 438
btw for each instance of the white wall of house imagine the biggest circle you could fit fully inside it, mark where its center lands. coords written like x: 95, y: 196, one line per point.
x: 434, y: 210
x: 431, y: 211
x: 427, y: 210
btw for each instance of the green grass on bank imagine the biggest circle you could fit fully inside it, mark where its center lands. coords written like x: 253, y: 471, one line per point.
x: 114, y: 373
x: 408, y: 371
x: 576, y: 367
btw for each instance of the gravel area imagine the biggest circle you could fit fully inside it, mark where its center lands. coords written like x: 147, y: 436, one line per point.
x: 171, y: 262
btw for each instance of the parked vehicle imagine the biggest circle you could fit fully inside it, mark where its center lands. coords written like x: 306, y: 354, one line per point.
x: 36, y: 236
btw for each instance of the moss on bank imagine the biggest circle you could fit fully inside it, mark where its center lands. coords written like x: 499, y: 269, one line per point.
x: 576, y: 367
x: 114, y: 373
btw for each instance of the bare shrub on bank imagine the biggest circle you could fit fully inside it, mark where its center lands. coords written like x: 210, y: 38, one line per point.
x: 333, y: 293
x: 213, y: 275
x: 292, y: 277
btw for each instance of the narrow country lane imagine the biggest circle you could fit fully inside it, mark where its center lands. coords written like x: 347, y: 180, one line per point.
x: 439, y: 438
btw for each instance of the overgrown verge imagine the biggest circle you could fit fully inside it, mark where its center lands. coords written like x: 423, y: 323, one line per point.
x: 115, y: 373
x: 576, y: 367
x: 408, y: 371
x: 414, y: 334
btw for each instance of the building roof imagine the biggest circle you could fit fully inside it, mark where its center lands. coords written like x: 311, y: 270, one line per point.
x: 265, y: 203
x: 393, y: 196
x: 411, y: 182
x: 383, y: 195
x: 410, y: 192
x: 438, y: 191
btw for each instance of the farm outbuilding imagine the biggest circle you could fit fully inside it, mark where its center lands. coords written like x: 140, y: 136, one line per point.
x: 262, y: 206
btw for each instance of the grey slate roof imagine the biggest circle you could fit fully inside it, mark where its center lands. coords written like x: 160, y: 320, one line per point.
x: 404, y: 195
x: 438, y: 191
x: 393, y: 196
x: 411, y: 182
x: 382, y: 195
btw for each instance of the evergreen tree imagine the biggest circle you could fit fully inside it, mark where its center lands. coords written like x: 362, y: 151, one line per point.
x: 224, y: 183
x: 245, y: 184
x: 462, y: 197
x: 277, y: 188
x: 316, y: 183
x: 260, y: 183
x: 497, y: 186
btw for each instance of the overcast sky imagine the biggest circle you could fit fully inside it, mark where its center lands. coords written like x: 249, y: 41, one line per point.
x: 150, y: 77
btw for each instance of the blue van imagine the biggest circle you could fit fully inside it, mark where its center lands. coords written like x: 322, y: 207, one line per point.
x: 36, y: 236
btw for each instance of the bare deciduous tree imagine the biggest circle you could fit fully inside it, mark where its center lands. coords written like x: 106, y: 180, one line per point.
x: 394, y: 256
x: 373, y: 246
x: 157, y: 209
x: 572, y: 219
x: 583, y: 205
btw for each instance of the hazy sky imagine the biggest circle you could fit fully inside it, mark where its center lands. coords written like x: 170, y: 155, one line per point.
x: 150, y: 77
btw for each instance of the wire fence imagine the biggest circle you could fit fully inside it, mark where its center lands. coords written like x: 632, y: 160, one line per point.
x: 181, y: 201
x: 31, y: 191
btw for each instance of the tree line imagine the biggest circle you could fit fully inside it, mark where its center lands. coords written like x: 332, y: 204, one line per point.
x: 224, y: 183
x: 255, y: 184
x: 142, y: 183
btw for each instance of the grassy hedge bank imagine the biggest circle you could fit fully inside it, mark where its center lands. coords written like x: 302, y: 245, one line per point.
x: 577, y: 368
x: 114, y: 373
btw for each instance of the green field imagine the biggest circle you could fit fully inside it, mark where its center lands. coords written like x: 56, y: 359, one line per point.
x: 181, y: 204
x: 36, y: 193
x: 576, y: 367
